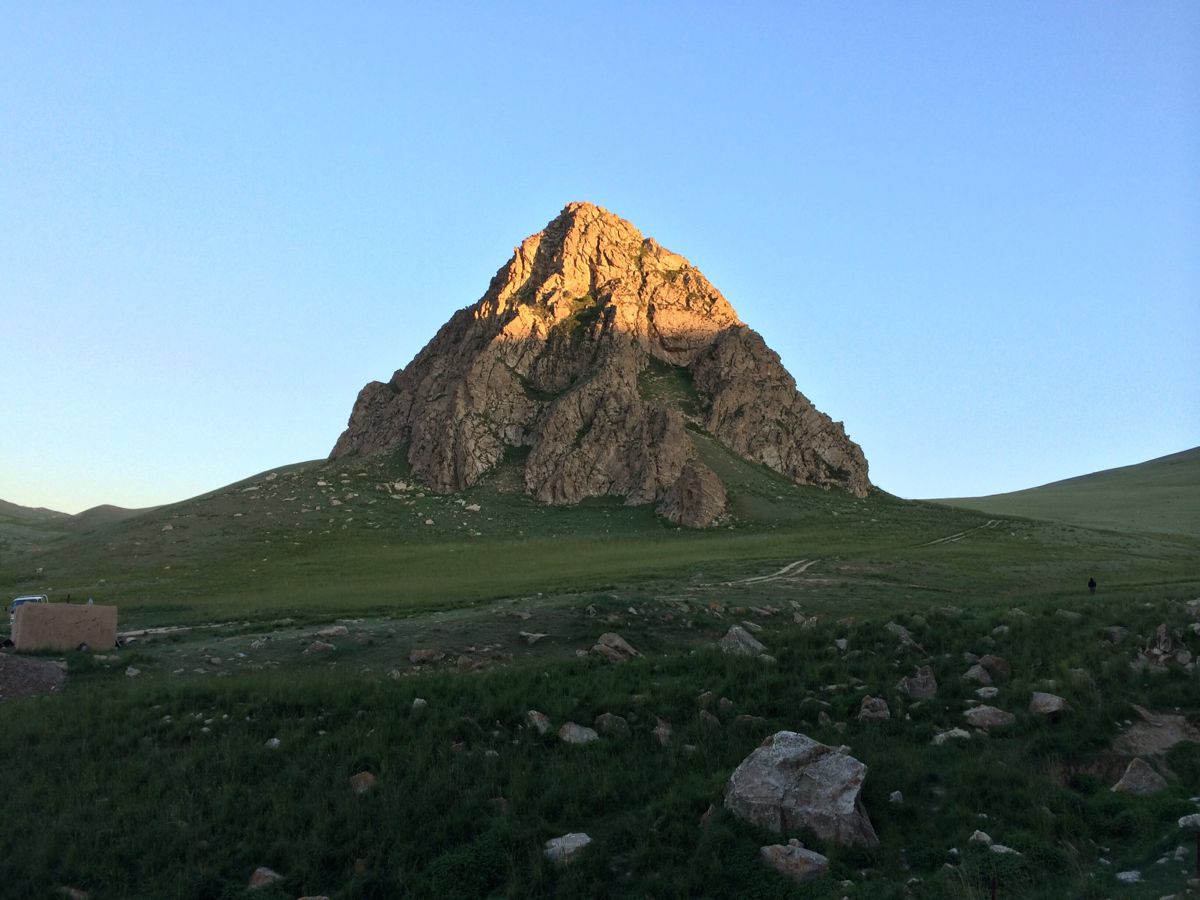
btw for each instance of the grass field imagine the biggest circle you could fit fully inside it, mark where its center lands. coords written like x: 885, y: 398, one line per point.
x: 162, y: 785
x: 1159, y: 495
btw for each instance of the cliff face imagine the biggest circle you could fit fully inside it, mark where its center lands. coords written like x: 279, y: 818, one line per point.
x: 556, y: 357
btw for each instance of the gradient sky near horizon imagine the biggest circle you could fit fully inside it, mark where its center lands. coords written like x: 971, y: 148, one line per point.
x: 972, y: 231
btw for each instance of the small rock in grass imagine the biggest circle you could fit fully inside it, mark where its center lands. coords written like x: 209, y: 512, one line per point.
x: 1000, y: 848
x: 132, y: 672
x: 531, y: 637
x: 1051, y: 706
x: 562, y: 851
x: 272, y: 744
x: 538, y: 720
x: 612, y: 725
x: 425, y: 656
x: 1131, y: 877
x: 896, y: 798
x: 318, y: 647
x: 362, y: 782
x: 873, y: 709
x: 922, y: 686
x: 1140, y: 780
x: 707, y: 718
x: 333, y: 631
x: 986, y: 717
x: 978, y: 674
x: 997, y: 666
x: 842, y: 644
x: 572, y: 733
x: 794, y: 861
x: 420, y: 703
x: 614, y: 648
x: 725, y: 704
x: 981, y: 837
x: 987, y: 693
x: 1192, y: 821
x: 739, y: 642
x: 662, y: 731
x: 262, y: 876
x: 704, y: 699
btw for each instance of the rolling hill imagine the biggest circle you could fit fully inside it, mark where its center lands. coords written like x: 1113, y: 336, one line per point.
x: 1160, y: 495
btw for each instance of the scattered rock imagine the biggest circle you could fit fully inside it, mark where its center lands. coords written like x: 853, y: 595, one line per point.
x: 981, y: 837
x: 538, y: 720
x: 704, y: 699
x: 318, y: 647
x: 531, y: 637
x: 904, y: 636
x: 697, y: 498
x: 896, y: 798
x: 1000, y: 848
x: 662, y: 731
x: 614, y: 648
x: 986, y: 717
x: 562, y: 851
x: 419, y: 703
x: 424, y: 657
x: 978, y: 674
x: 1130, y: 877
x: 262, y: 876
x: 987, y: 693
x: 873, y: 709
x: 132, y: 672
x: 739, y: 642
x: 1192, y: 821
x: 1140, y: 780
x: 612, y: 725
x: 725, y: 704
x: 1050, y: 706
x: 331, y: 631
x: 708, y: 719
x: 997, y: 666
x: 572, y: 733
x: 842, y: 644
x: 362, y: 782
x: 272, y: 743
x: 794, y: 861
x: 791, y: 781
x: 1068, y: 615
x: 922, y: 686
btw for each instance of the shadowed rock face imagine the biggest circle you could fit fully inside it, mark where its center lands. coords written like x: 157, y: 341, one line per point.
x: 553, y: 358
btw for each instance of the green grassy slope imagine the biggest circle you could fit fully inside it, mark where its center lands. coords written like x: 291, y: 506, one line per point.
x: 1159, y: 495
x: 358, y: 537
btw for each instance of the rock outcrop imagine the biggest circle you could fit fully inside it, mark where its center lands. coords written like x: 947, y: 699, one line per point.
x: 598, y: 351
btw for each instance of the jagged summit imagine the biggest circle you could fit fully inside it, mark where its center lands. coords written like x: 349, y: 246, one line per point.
x: 554, y: 358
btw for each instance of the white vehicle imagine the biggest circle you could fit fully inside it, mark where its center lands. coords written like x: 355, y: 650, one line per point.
x: 21, y: 601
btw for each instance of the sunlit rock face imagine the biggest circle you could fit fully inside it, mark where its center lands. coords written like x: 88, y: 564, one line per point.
x: 566, y: 355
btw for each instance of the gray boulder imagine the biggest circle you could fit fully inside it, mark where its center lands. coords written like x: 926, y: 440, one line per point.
x: 739, y: 642
x: 986, y: 717
x: 791, y: 781
x: 922, y: 686
x: 1140, y: 780
x: 562, y: 851
x: 794, y: 861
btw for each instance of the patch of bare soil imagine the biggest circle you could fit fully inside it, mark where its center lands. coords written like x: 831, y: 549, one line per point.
x: 1155, y: 734
x: 26, y: 677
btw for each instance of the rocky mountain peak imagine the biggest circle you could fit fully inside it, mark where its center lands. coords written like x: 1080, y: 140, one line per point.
x: 567, y: 353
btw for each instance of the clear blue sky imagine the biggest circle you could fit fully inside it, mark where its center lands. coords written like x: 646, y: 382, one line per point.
x: 972, y: 231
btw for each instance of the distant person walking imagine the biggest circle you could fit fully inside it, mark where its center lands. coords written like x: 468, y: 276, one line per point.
x: 1091, y: 585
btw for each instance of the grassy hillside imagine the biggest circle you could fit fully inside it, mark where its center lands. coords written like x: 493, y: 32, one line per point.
x: 174, y: 791
x: 360, y: 537
x: 1160, y: 495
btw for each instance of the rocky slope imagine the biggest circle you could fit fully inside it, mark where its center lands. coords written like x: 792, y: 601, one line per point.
x: 567, y: 354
